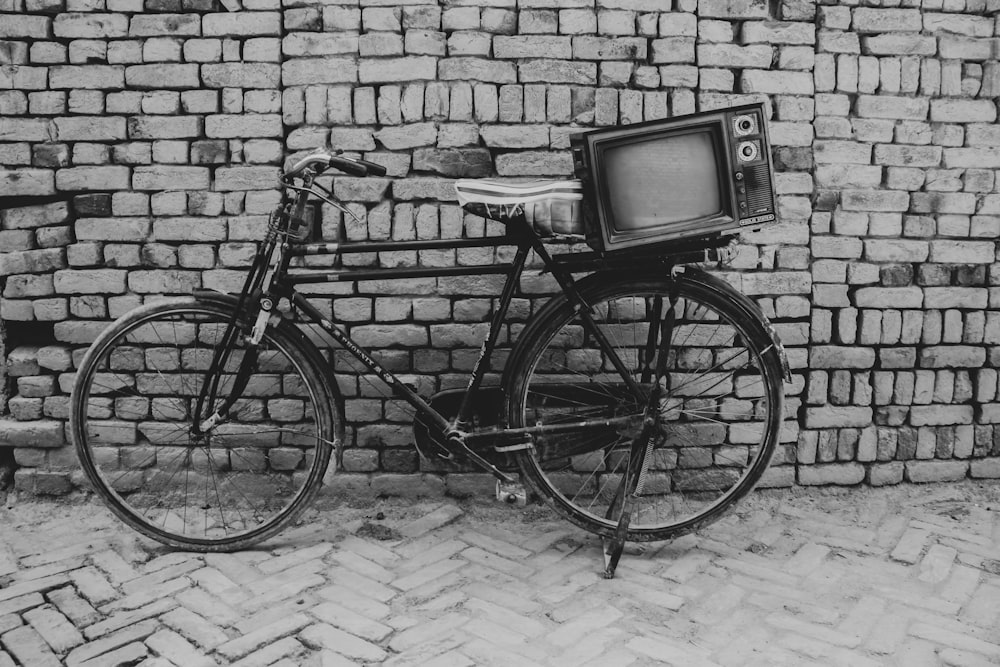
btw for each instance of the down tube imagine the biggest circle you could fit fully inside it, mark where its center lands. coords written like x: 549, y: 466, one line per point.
x: 399, y: 388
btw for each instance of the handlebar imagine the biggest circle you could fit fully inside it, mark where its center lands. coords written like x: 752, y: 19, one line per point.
x: 323, y: 159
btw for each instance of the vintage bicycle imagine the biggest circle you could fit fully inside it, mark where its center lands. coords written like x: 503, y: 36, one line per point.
x: 640, y: 401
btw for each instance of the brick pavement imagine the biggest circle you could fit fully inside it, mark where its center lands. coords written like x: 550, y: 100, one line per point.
x: 901, y: 576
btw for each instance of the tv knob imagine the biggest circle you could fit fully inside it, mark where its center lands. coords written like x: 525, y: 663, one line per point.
x: 744, y: 125
x: 739, y: 176
x: 747, y: 151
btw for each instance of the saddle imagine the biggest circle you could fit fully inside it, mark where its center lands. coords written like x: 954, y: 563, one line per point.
x: 552, y: 208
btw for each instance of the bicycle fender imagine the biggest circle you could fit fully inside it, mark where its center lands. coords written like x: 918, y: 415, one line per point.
x: 745, y: 303
x: 684, y: 272
x: 232, y: 300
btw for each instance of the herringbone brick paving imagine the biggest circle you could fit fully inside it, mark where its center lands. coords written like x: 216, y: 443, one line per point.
x: 905, y: 576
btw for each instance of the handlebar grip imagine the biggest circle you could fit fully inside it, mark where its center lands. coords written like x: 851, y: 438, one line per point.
x: 373, y: 168
x: 352, y: 167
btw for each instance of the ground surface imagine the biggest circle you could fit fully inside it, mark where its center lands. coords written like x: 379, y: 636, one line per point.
x: 902, y: 576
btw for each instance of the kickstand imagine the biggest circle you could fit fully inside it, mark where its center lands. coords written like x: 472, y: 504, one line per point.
x: 614, y: 546
x: 612, y: 553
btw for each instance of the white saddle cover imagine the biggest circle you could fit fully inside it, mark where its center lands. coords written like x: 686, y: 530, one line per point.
x: 551, y: 207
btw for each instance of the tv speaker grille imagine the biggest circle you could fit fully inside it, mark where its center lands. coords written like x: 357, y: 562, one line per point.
x: 759, y: 195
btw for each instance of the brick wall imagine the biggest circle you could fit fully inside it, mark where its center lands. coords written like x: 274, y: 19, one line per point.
x: 140, y: 141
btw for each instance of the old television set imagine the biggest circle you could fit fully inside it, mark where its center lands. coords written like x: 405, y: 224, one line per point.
x: 699, y: 175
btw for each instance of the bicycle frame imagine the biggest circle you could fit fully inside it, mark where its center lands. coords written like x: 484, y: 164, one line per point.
x: 458, y: 440
x: 271, y: 279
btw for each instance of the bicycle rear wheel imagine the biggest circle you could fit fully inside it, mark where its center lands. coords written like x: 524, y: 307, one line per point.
x: 717, y: 422
x: 132, y: 419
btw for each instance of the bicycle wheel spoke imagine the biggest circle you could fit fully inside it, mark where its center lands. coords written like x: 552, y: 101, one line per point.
x: 715, y: 426
x: 232, y: 486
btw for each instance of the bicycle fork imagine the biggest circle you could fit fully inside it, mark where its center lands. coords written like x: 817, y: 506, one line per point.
x: 641, y: 451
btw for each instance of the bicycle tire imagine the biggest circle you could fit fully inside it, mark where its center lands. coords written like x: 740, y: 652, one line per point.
x: 131, y: 416
x: 719, y: 419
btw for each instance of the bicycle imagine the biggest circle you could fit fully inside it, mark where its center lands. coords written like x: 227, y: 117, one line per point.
x: 641, y: 401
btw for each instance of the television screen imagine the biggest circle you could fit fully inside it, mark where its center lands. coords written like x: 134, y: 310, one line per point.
x: 659, y: 181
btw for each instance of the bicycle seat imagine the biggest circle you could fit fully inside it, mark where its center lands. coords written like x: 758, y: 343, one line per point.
x: 550, y: 207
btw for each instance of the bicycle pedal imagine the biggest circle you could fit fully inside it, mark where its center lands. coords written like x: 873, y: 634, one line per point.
x: 512, y: 494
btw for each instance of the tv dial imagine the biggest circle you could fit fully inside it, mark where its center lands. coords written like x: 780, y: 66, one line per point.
x: 745, y: 125
x: 747, y: 151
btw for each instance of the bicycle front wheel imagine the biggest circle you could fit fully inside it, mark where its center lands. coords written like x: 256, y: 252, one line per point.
x: 133, y: 421
x: 717, y: 421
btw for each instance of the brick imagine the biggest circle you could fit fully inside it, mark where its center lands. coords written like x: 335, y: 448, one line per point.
x: 407, y: 136
x: 90, y: 281
x: 840, y: 473
x: 971, y: 158
x: 29, y: 647
x: 841, y: 357
x: 107, y: 77
x: 776, y: 83
x: 515, y: 136
x: 162, y: 76
x: 961, y: 252
x: 32, y: 217
x: 889, y: 297
x: 27, y: 182
x: 300, y: 71
x: 263, y: 636
x: 532, y: 46
x: 243, y: 125
x: 557, y: 71
x: 832, y: 416
x: 936, y: 471
x: 193, y: 230
x: 668, y: 50
x: 32, y: 261
x: 534, y: 163
x: 963, y: 111
x: 624, y: 48
x: 869, y: 20
x: 778, y: 32
x: 899, y: 44
x: 965, y: 48
x: 321, y: 634
x: 54, y: 628
x: 77, y: 25
x: 152, y: 25
x: 241, y: 75
x: 163, y: 281
x: 41, y: 433
x: 985, y: 468
x: 842, y: 152
x: 953, y: 356
x: 242, y: 24
x: 319, y: 44
x: 836, y: 247
x: 386, y: 70
x: 112, y: 229
x: 875, y: 200
x: 26, y: 286
x: 733, y: 9
x: 732, y: 55
x: 887, y: 106
x: 896, y: 250
x: 955, y: 297
x: 170, y: 178
x: 911, y: 156
x: 838, y: 42
x: 246, y: 178
x: 164, y: 127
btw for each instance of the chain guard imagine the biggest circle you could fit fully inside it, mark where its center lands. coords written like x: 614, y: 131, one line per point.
x: 430, y: 439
